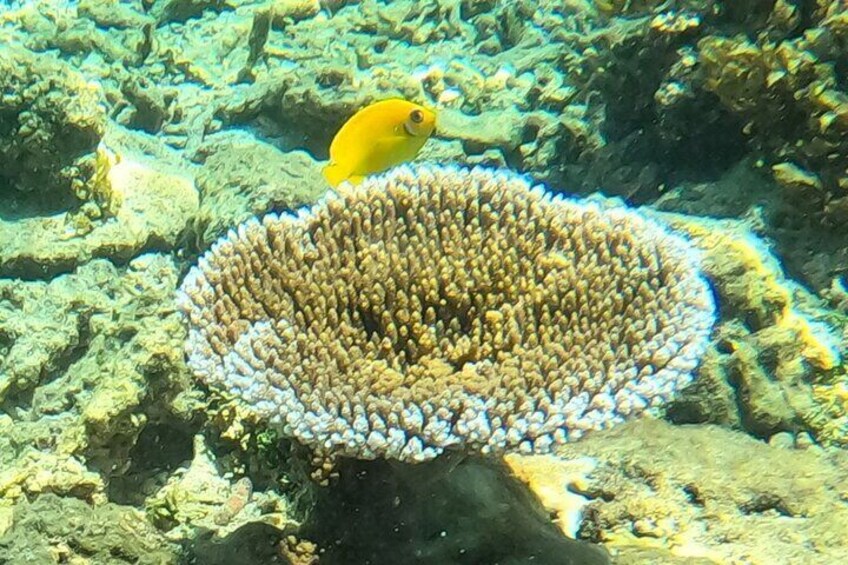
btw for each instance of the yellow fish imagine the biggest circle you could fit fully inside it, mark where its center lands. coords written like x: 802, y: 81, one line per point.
x: 376, y: 138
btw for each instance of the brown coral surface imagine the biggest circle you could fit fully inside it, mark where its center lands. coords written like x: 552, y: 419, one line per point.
x: 437, y: 307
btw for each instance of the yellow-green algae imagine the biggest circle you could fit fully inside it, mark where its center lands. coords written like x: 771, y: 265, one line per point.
x: 778, y: 341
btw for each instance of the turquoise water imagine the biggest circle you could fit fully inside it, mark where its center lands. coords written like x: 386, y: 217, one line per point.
x: 581, y: 299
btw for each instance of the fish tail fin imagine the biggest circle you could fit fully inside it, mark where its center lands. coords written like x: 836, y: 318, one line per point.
x: 334, y: 174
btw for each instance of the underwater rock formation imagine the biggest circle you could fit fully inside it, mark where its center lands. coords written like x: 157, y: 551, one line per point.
x: 144, y: 206
x: 240, y: 177
x: 441, y: 511
x: 438, y: 308
x: 796, y: 76
x: 198, y: 497
x: 760, y: 373
x: 51, y: 119
x: 703, y: 494
x: 53, y: 529
x: 84, y: 358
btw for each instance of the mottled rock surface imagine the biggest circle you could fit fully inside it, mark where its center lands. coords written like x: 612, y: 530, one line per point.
x: 51, y: 119
x: 706, y: 494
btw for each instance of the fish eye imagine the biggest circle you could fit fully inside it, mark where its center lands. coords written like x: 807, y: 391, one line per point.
x: 417, y: 116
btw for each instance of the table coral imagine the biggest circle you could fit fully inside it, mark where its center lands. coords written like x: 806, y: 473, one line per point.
x: 437, y: 307
x: 653, y: 100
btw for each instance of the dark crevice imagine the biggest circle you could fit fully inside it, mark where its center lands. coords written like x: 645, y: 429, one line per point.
x: 369, y: 322
x: 161, y: 446
x: 433, y: 512
x: 768, y: 360
x: 766, y: 502
x: 740, y: 394
x: 256, y: 543
x: 694, y: 494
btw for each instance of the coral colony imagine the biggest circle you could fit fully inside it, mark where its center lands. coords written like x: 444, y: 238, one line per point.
x: 437, y: 307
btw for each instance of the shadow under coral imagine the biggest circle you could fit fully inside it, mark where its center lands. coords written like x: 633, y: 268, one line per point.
x: 445, y: 511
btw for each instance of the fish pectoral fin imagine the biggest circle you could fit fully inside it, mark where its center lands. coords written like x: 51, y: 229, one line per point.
x: 334, y: 174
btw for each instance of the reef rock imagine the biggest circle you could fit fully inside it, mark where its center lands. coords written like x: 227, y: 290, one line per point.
x: 88, y: 358
x: 241, y: 176
x: 144, y: 205
x: 693, y: 494
x: 774, y: 340
x: 51, y: 119
x: 51, y: 529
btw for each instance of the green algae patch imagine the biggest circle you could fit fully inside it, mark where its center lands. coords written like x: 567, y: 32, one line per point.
x: 52, y: 529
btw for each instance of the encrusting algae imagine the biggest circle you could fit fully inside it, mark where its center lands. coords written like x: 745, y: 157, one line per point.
x: 378, y: 137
